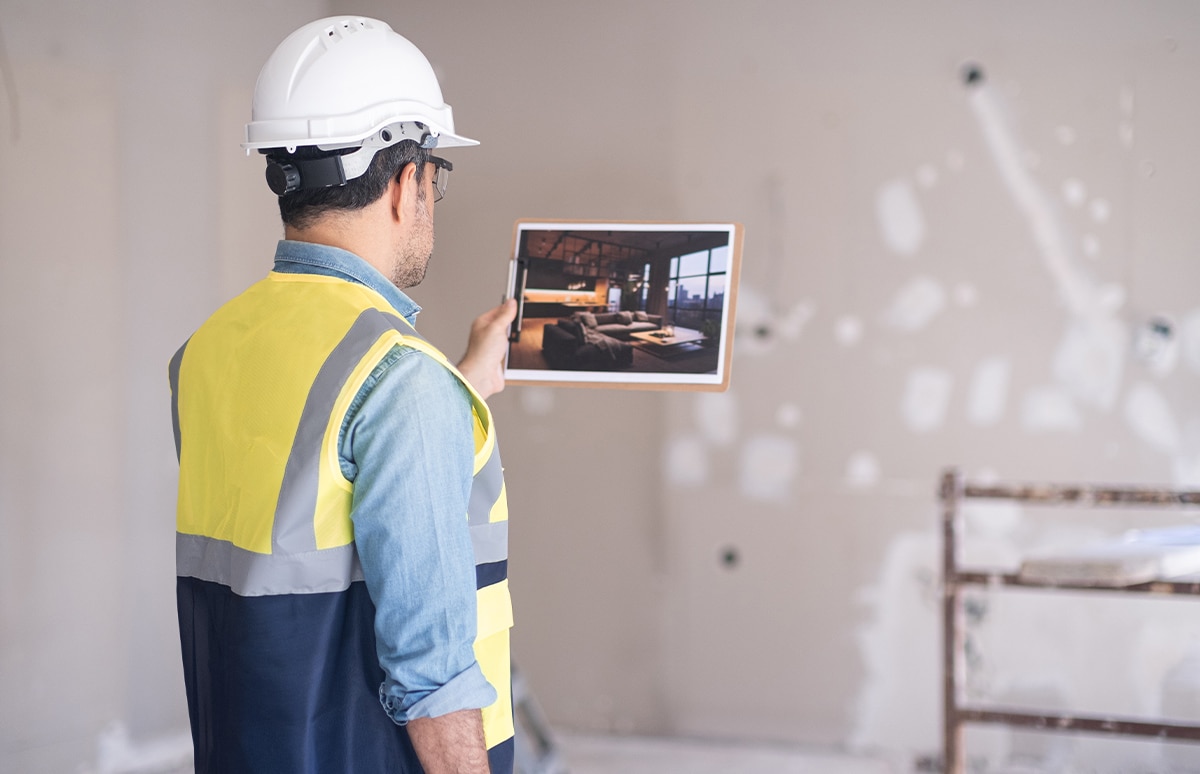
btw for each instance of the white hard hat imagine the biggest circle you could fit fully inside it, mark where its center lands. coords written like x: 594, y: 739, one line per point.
x: 346, y: 82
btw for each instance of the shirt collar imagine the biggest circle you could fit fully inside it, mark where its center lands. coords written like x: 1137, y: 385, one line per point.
x: 310, y: 258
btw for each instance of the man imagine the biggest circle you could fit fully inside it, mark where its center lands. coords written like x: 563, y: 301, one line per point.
x: 342, y: 526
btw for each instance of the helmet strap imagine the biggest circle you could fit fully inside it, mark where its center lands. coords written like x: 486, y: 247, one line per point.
x: 292, y: 174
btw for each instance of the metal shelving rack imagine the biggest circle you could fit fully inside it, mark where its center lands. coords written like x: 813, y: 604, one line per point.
x: 956, y: 709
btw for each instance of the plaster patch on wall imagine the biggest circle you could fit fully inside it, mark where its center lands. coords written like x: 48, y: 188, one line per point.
x: 1125, y: 134
x: 1049, y: 408
x: 1078, y: 290
x: 792, y: 324
x: 848, y: 330
x: 989, y: 391
x: 716, y: 414
x: 1150, y: 417
x: 1189, y: 339
x: 993, y: 519
x: 1156, y: 344
x: 1090, y: 359
x: 862, y: 470
x: 965, y: 294
x: 1100, y: 210
x: 754, y: 317
x: 1074, y: 192
x: 916, y: 303
x: 926, y: 396
x: 538, y: 401
x: 1066, y: 135
x: 768, y: 465
x: 687, y: 461
x: 927, y: 176
x: 118, y: 754
x: 955, y: 161
x: 1090, y: 245
x: 898, y: 706
x: 788, y: 415
x: 900, y: 217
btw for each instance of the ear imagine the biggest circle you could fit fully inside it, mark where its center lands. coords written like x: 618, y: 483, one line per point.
x: 402, y: 193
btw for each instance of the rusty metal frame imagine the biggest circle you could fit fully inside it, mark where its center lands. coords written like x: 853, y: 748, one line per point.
x: 956, y: 711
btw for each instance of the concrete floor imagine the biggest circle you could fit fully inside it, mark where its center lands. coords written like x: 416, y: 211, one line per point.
x: 635, y: 755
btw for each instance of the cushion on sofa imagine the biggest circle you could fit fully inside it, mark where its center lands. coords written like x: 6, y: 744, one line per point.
x: 575, y: 328
x: 640, y: 317
x: 587, y: 318
x: 624, y: 318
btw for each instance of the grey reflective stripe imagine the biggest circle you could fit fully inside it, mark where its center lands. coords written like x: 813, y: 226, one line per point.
x: 485, y: 490
x: 294, y: 531
x: 254, y: 575
x: 173, y: 375
x: 490, y: 542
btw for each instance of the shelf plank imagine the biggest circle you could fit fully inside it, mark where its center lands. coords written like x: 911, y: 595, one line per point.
x: 983, y: 578
x: 1095, y: 724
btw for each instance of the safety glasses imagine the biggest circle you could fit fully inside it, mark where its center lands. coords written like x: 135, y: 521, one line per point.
x: 441, y: 173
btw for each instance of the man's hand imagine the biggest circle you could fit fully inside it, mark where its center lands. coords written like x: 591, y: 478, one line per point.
x: 483, y: 365
x: 450, y: 744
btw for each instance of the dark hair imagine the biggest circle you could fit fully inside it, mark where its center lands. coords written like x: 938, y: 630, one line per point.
x: 300, y: 209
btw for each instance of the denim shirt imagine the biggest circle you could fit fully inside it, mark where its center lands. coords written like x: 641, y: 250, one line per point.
x: 407, y: 445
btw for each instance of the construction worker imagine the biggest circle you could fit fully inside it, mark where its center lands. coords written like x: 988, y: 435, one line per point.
x: 342, y: 526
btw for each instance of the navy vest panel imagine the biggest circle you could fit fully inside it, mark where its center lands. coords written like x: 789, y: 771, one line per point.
x: 246, y: 719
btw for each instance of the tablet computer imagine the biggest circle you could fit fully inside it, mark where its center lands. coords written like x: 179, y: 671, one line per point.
x: 623, y: 304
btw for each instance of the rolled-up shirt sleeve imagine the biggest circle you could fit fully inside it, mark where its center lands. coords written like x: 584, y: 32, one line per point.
x: 407, y: 446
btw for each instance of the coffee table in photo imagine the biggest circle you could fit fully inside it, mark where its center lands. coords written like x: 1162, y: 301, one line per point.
x: 659, y: 343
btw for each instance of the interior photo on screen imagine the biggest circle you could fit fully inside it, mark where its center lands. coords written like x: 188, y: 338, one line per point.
x: 622, y: 302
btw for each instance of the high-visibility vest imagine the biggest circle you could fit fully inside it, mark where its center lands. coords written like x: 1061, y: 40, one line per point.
x: 275, y: 622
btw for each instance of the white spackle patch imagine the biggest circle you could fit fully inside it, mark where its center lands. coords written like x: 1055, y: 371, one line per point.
x: 754, y: 314
x: 965, y: 294
x: 926, y: 396
x: 927, y: 176
x: 686, y: 461
x: 1125, y: 134
x: 538, y: 401
x: 900, y: 217
x: 992, y: 528
x: 1100, y: 210
x: 848, y: 330
x: 1090, y: 245
x: 989, y: 391
x: 1156, y: 344
x: 1185, y: 472
x: 1053, y: 240
x: 791, y: 325
x: 1066, y: 135
x: 769, y: 464
x: 1127, y: 100
x: 955, y: 161
x: 992, y: 518
x: 1074, y: 193
x: 788, y: 416
x: 116, y: 752
x: 1049, y: 408
x: 862, y: 470
x: 1150, y: 417
x: 1189, y: 339
x: 1091, y: 359
x: 716, y: 414
x: 916, y: 303
x: 898, y: 706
